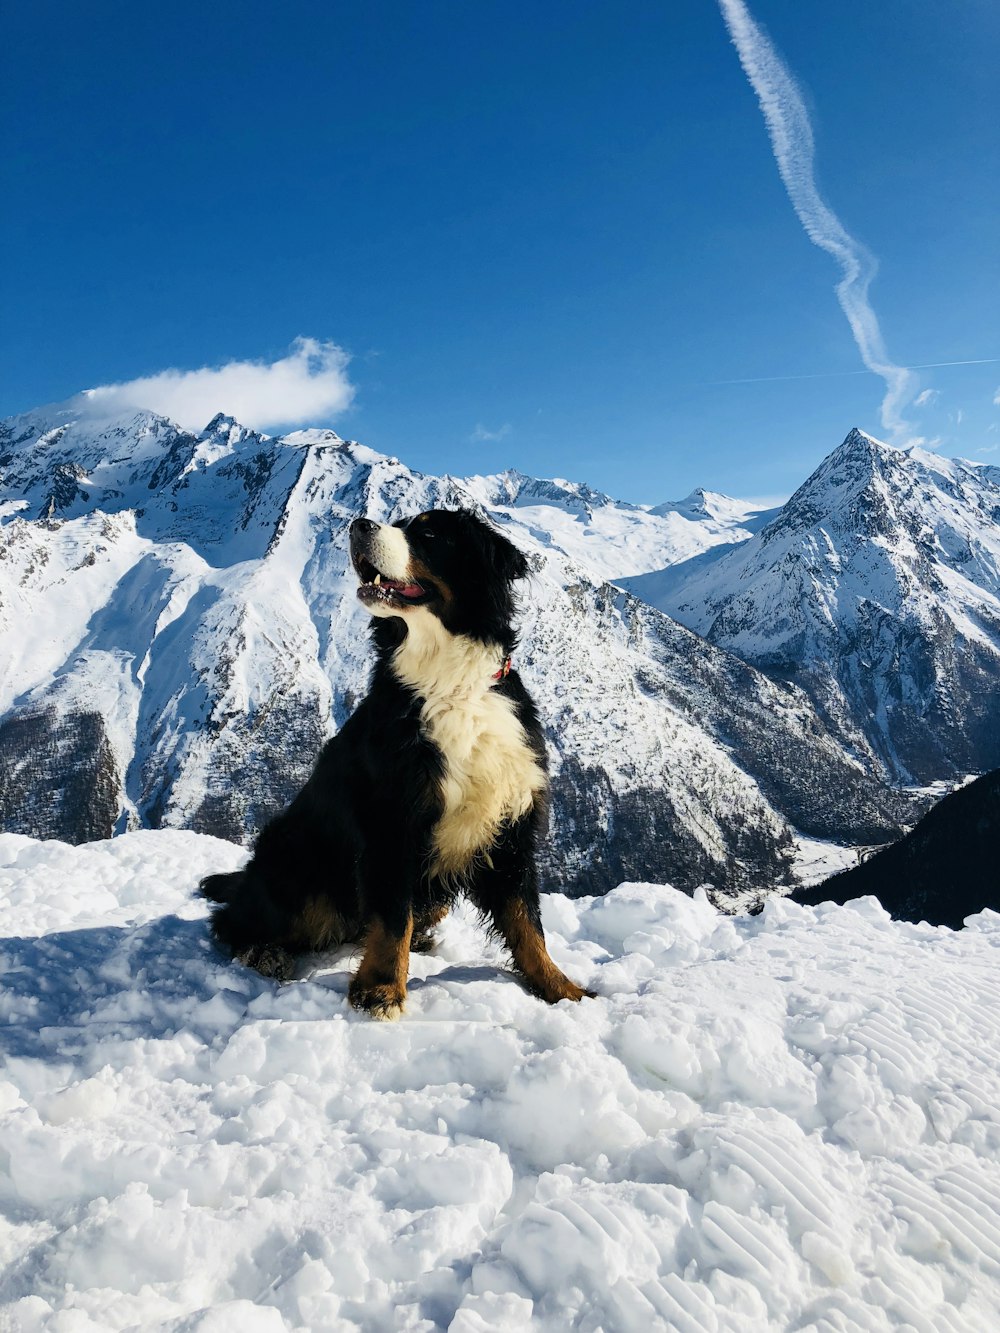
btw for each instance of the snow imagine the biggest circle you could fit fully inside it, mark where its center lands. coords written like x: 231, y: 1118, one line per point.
x: 773, y: 1122
x: 816, y: 859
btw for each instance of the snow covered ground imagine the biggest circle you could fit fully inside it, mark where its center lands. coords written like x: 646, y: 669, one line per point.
x: 790, y: 1121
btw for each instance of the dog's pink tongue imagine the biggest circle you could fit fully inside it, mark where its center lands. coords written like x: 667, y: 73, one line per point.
x: 404, y: 589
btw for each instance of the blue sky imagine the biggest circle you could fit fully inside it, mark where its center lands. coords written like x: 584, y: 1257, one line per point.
x: 546, y: 236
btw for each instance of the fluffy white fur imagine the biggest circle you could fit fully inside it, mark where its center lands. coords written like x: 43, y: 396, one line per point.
x: 491, y: 774
x: 390, y: 553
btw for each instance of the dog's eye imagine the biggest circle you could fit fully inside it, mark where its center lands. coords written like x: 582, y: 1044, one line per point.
x: 430, y: 533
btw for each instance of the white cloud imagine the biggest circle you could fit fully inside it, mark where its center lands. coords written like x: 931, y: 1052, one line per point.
x: 483, y: 436
x: 996, y: 398
x: 306, y: 387
x: 927, y: 396
x: 794, y: 151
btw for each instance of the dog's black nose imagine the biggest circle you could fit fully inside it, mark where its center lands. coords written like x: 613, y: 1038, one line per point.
x: 360, y: 526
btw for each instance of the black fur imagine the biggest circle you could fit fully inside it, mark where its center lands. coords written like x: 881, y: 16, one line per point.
x: 348, y: 860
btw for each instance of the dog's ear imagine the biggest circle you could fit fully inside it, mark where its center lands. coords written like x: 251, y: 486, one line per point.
x: 507, y: 559
x: 501, y: 554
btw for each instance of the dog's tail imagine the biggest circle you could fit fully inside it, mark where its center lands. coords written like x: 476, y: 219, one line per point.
x: 222, y: 888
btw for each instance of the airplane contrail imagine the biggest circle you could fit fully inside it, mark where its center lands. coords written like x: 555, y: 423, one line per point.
x: 834, y: 374
x: 794, y: 151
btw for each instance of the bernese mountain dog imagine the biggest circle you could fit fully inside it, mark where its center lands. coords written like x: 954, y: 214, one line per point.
x: 435, y: 786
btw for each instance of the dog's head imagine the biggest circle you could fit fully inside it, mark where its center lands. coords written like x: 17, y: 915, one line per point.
x: 445, y: 562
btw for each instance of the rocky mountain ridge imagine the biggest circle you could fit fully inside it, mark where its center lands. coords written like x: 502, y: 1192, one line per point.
x: 876, y: 588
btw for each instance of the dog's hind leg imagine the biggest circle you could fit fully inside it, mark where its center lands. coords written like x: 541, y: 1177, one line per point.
x: 268, y: 938
x: 270, y: 960
x: 250, y: 924
x: 423, y: 938
x: 222, y: 888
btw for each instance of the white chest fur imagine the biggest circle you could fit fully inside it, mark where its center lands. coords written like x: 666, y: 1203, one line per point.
x: 490, y: 773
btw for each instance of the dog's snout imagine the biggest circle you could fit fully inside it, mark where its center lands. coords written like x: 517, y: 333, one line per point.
x: 362, y: 527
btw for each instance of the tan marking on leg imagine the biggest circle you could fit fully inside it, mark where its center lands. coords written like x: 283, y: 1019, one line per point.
x: 379, y: 985
x: 531, y: 958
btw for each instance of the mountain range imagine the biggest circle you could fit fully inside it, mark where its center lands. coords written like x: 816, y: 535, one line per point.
x: 724, y: 689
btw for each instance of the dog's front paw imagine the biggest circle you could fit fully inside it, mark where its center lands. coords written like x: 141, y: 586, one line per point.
x: 384, y: 1002
x: 557, y: 986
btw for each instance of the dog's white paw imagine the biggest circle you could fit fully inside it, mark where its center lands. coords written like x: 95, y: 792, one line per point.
x: 385, y: 1003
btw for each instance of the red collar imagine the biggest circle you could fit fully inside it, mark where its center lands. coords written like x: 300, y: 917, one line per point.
x: 504, y: 671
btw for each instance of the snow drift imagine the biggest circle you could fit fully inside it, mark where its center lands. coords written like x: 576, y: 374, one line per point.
x: 787, y: 1121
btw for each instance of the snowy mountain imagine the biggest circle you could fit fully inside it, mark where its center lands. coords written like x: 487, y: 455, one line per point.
x: 611, y: 539
x: 787, y: 1121
x: 731, y: 516
x: 180, y: 634
x: 877, y: 589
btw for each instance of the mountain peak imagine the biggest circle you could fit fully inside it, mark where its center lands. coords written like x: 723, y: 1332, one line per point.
x: 858, y: 439
x: 702, y: 504
x: 222, y: 421
x: 846, y: 479
x: 705, y: 501
x: 226, y: 429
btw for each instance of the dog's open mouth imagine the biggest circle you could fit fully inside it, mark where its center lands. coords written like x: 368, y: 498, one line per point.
x: 375, y: 587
